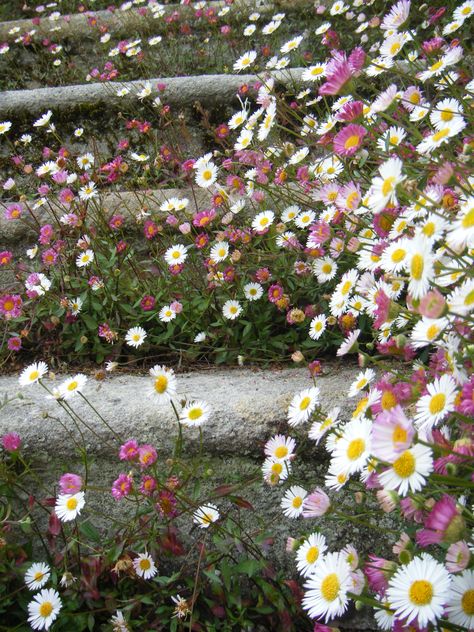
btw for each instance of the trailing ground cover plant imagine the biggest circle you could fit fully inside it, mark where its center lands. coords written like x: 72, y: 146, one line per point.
x: 169, y: 556
x: 338, y: 217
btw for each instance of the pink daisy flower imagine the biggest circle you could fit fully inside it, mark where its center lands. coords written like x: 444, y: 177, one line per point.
x: 443, y: 524
x: 349, y: 139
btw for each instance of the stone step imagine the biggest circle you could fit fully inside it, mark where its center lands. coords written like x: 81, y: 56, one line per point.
x: 248, y: 407
x: 128, y: 203
x: 210, y: 90
x: 119, y: 22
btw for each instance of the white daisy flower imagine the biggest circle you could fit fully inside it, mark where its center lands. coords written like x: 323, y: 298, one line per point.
x: 263, y: 220
x: 176, y: 255
x: 4, y: 127
x: 325, y: 269
x: 326, y: 590
x: 275, y: 471
x: 302, y: 406
x: 353, y: 448
x: 253, y: 291
x: 205, y: 515
x: 164, y: 382
x: 439, y: 401
x: 206, y: 175
x: 220, y: 251
x: 419, y: 591
x: 460, y: 604
x: 427, y: 331
x: 195, y: 414
x: 409, y: 471
x: 71, y: 386
x: 383, y: 188
x: 135, y: 337
x: 231, y: 309
x: 166, y: 314
x: 320, y: 428
x: 145, y: 566
x: 280, y: 448
x: 86, y: 161
x: 69, y: 506
x: 245, y: 60
x: 317, y: 327
x: 292, y: 501
x: 310, y: 553
x: 37, y: 575
x: 362, y: 380
x: 33, y: 373
x: 44, y: 609
x: 85, y: 258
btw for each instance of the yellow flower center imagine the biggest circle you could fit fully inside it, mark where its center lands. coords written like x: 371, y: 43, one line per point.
x: 421, y: 592
x: 437, y: 403
x: 388, y: 400
x: 387, y: 186
x: 447, y: 115
x: 352, y: 141
x: 355, y: 449
x: 432, y: 332
x: 398, y: 255
x: 72, y: 386
x: 71, y: 504
x: 297, y: 502
x: 305, y: 402
x: 360, y: 407
x: 361, y: 383
x: 440, y: 135
x: 317, y: 70
x: 394, y: 48
x: 312, y: 554
x: 466, y: 11
x: 161, y: 384
x: 341, y: 478
x: 195, y: 413
x: 207, y: 174
x: 417, y: 266
x: 318, y: 325
x: 346, y: 287
x: 399, y: 435
x: 414, y: 98
x: 175, y: 254
x: 277, y: 468
x: 468, y: 219
x: 281, y: 451
x: 469, y: 300
x: 145, y: 564
x: 436, y: 66
x: 38, y: 576
x: 467, y: 602
x: 404, y: 466
x: 34, y: 375
x: 233, y: 309
x: 45, y: 609
x: 326, y: 268
x: 330, y: 587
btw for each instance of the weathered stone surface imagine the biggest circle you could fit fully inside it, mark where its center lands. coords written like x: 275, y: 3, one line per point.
x: 118, y: 22
x: 248, y: 406
x: 128, y: 203
x: 209, y: 90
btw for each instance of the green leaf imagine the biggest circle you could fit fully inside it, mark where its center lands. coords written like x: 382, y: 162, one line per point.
x: 89, y: 531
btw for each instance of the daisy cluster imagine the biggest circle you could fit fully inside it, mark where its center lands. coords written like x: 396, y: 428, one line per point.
x: 145, y: 483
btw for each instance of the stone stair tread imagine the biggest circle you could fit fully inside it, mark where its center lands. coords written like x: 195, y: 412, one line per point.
x: 184, y: 91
